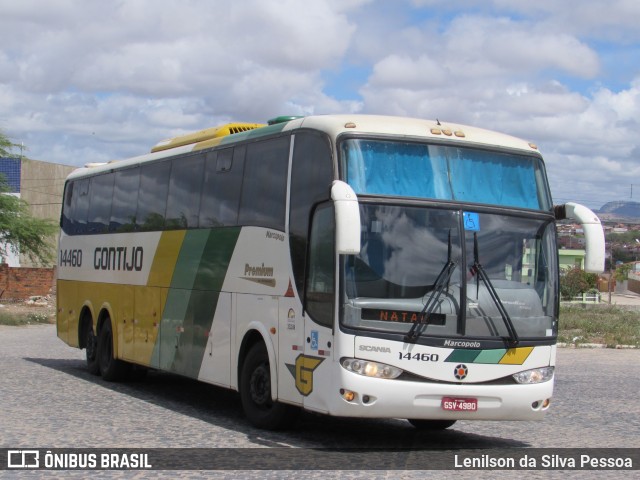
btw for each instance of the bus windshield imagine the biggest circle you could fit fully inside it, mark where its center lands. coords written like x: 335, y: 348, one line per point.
x: 451, y: 273
x: 444, y: 172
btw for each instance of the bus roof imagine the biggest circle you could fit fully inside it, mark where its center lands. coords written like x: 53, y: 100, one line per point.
x: 333, y: 125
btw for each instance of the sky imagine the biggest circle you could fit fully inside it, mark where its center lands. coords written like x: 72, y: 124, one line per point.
x: 98, y: 80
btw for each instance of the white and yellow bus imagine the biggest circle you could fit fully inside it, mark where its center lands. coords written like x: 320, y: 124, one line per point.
x: 352, y: 265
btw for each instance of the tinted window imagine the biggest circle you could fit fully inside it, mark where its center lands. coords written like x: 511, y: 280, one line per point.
x: 221, y: 187
x: 184, y: 193
x: 80, y: 205
x: 320, y: 293
x: 125, y: 200
x: 311, y: 177
x: 152, y: 199
x: 265, y: 183
x: 100, y: 204
x: 66, y: 220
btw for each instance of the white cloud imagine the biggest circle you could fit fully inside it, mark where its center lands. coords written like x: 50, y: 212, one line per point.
x: 92, y: 80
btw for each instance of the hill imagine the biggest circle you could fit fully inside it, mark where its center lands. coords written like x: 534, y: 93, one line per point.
x: 626, y: 210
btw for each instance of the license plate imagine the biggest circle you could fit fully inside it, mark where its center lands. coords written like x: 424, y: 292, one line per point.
x: 460, y: 404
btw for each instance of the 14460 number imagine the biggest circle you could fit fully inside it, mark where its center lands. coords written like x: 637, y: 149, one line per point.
x: 421, y: 357
x: 70, y: 258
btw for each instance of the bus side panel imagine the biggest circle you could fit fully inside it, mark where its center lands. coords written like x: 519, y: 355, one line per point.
x: 148, y: 305
x: 120, y: 298
x: 65, y: 314
x: 215, y: 366
x: 291, y: 362
x: 191, y: 302
x: 117, y: 300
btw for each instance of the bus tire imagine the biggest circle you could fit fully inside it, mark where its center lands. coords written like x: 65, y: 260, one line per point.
x: 431, y: 424
x: 255, y: 393
x: 91, y: 349
x: 111, y: 369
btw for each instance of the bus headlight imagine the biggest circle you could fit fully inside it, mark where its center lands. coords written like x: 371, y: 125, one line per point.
x: 370, y: 369
x: 536, y: 375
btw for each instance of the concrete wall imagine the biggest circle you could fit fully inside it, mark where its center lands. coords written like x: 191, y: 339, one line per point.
x: 634, y: 282
x: 41, y: 186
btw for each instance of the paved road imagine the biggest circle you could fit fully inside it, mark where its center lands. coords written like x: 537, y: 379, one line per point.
x: 48, y: 400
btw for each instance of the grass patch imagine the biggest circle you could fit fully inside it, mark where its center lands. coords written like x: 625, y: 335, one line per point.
x: 26, y: 318
x: 604, y: 324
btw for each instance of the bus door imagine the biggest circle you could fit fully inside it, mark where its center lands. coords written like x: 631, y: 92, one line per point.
x: 314, y: 375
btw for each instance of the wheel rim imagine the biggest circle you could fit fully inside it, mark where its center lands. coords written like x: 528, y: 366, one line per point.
x: 260, y: 386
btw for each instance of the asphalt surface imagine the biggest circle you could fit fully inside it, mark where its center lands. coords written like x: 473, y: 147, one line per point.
x: 49, y: 401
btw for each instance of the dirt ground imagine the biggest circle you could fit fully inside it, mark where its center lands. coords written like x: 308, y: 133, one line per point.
x: 46, y: 305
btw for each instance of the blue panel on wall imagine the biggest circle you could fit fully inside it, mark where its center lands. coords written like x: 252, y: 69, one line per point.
x: 10, y: 168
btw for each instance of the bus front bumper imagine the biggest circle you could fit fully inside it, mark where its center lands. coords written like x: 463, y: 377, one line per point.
x: 384, y: 398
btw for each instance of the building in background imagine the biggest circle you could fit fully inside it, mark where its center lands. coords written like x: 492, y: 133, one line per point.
x: 41, y: 185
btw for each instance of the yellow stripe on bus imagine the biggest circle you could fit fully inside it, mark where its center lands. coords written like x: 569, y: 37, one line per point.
x: 166, y: 258
x: 516, y: 356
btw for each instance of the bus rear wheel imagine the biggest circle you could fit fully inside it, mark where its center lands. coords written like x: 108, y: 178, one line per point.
x: 91, y: 350
x: 431, y: 424
x: 111, y: 368
x: 255, y: 393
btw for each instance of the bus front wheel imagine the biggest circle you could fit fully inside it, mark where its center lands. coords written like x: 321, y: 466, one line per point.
x: 111, y: 368
x: 431, y: 424
x: 255, y: 393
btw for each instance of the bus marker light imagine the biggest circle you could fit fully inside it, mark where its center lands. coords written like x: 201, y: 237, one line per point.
x: 459, y: 134
x: 273, y: 330
x: 348, y: 395
x: 349, y: 125
x: 436, y: 131
x: 546, y: 403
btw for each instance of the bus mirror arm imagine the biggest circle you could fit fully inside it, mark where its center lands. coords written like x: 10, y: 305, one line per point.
x: 593, y: 233
x: 347, y: 212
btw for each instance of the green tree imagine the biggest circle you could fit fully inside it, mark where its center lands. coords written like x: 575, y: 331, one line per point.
x: 622, y: 272
x: 575, y: 281
x: 6, y: 145
x: 19, y: 230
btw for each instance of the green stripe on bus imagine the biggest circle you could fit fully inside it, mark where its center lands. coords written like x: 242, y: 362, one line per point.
x: 215, y: 259
x: 490, y: 356
x: 192, y: 299
x: 190, y: 258
x: 463, y: 356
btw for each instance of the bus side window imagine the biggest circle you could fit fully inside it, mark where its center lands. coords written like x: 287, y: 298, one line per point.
x: 184, y: 193
x: 100, y: 203
x: 80, y: 206
x: 66, y: 220
x: 264, y: 188
x: 125, y: 200
x: 221, y: 187
x: 152, y: 199
x: 320, y: 288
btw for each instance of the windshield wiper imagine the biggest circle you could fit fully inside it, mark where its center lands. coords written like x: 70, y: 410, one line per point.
x: 482, y: 275
x: 441, y: 282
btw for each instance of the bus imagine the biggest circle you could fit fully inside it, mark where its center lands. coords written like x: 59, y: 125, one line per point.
x: 349, y: 265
